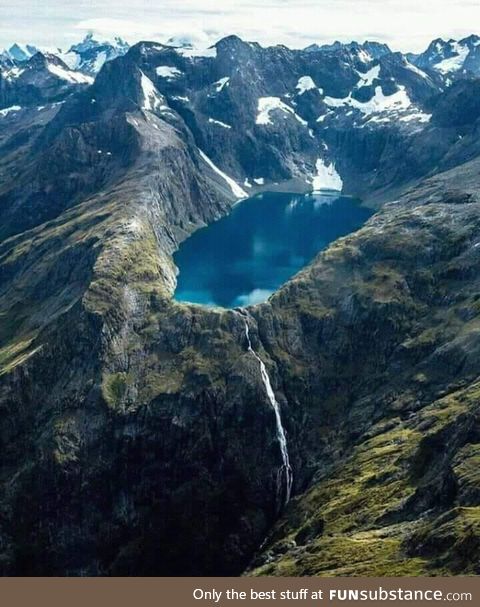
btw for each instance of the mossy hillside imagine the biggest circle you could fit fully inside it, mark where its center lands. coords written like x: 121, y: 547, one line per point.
x: 450, y: 542
x: 45, y: 272
x: 361, y: 512
x: 367, y: 494
x: 130, y: 258
x: 361, y: 316
x: 180, y: 349
x: 127, y: 196
x: 114, y: 387
x: 466, y: 467
x: 360, y: 555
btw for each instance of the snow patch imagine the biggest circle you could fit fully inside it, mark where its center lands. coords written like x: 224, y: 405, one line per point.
x: 151, y: 100
x: 71, y: 59
x: 305, y: 83
x: 364, y: 56
x: 219, y: 123
x: 220, y: 84
x: 378, y: 103
x: 15, y: 72
x: 191, y: 52
x: 68, y: 75
x: 337, y: 101
x: 165, y: 71
x: 327, y: 178
x: 414, y: 68
x: 236, y: 189
x: 8, y: 110
x: 322, y: 118
x: 417, y: 116
x: 259, y: 181
x: 269, y: 104
x: 379, y: 119
x: 453, y: 64
x: 368, y: 78
x: 99, y: 61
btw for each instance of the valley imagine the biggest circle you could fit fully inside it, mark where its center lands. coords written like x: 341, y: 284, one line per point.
x: 331, y: 429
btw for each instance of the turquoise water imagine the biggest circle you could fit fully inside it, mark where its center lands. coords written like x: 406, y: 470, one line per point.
x: 244, y: 257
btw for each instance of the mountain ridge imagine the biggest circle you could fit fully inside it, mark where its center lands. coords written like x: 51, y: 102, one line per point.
x: 89, y: 49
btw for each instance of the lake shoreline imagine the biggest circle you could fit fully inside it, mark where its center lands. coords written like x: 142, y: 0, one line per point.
x: 245, y: 256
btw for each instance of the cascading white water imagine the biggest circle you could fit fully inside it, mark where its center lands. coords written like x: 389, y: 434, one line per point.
x: 284, y: 475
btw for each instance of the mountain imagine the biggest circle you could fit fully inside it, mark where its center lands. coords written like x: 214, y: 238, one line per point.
x: 20, y: 53
x: 132, y: 422
x: 452, y: 58
x: 273, y: 110
x: 370, y: 49
x: 89, y: 55
x: 44, y: 78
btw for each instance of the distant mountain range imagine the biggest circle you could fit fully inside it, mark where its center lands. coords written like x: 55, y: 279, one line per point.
x: 321, y: 98
x: 87, y: 56
x: 443, y: 56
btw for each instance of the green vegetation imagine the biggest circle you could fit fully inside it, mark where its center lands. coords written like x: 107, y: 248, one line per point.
x: 114, y: 387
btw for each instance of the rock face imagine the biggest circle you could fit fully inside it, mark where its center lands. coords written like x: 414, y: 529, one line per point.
x: 139, y: 435
x: 42, y: 79
x: 90, y: 55
x: 451, y: 58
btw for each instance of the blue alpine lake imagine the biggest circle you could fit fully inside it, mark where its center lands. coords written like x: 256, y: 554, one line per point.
x: 244, y: 257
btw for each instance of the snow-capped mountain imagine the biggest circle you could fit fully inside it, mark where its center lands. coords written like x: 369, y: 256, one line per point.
x: 441, y: 61
x: 261, y: 115
x: 89, y: 55
x: 452, y: 58
x: 43, y: 78
x: 19, y: 52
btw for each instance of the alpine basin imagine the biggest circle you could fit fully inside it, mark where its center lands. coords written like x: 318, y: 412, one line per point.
x: 244, y: 257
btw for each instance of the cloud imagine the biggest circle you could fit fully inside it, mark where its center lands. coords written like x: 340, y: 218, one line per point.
x: 107, y: 27
x: 252, y: 298
x: 405, y: 24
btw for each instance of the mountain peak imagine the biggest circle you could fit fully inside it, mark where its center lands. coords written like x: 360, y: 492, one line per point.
x: 89, y: 43
x: 374, y: 49
x: 231, y: 42
x: 450, y: 57
x: 21, y: 53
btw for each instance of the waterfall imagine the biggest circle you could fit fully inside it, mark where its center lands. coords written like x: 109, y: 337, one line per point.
x: 284, y: 474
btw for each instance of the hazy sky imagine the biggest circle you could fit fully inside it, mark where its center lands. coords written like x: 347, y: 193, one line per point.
x: 404, y: 24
